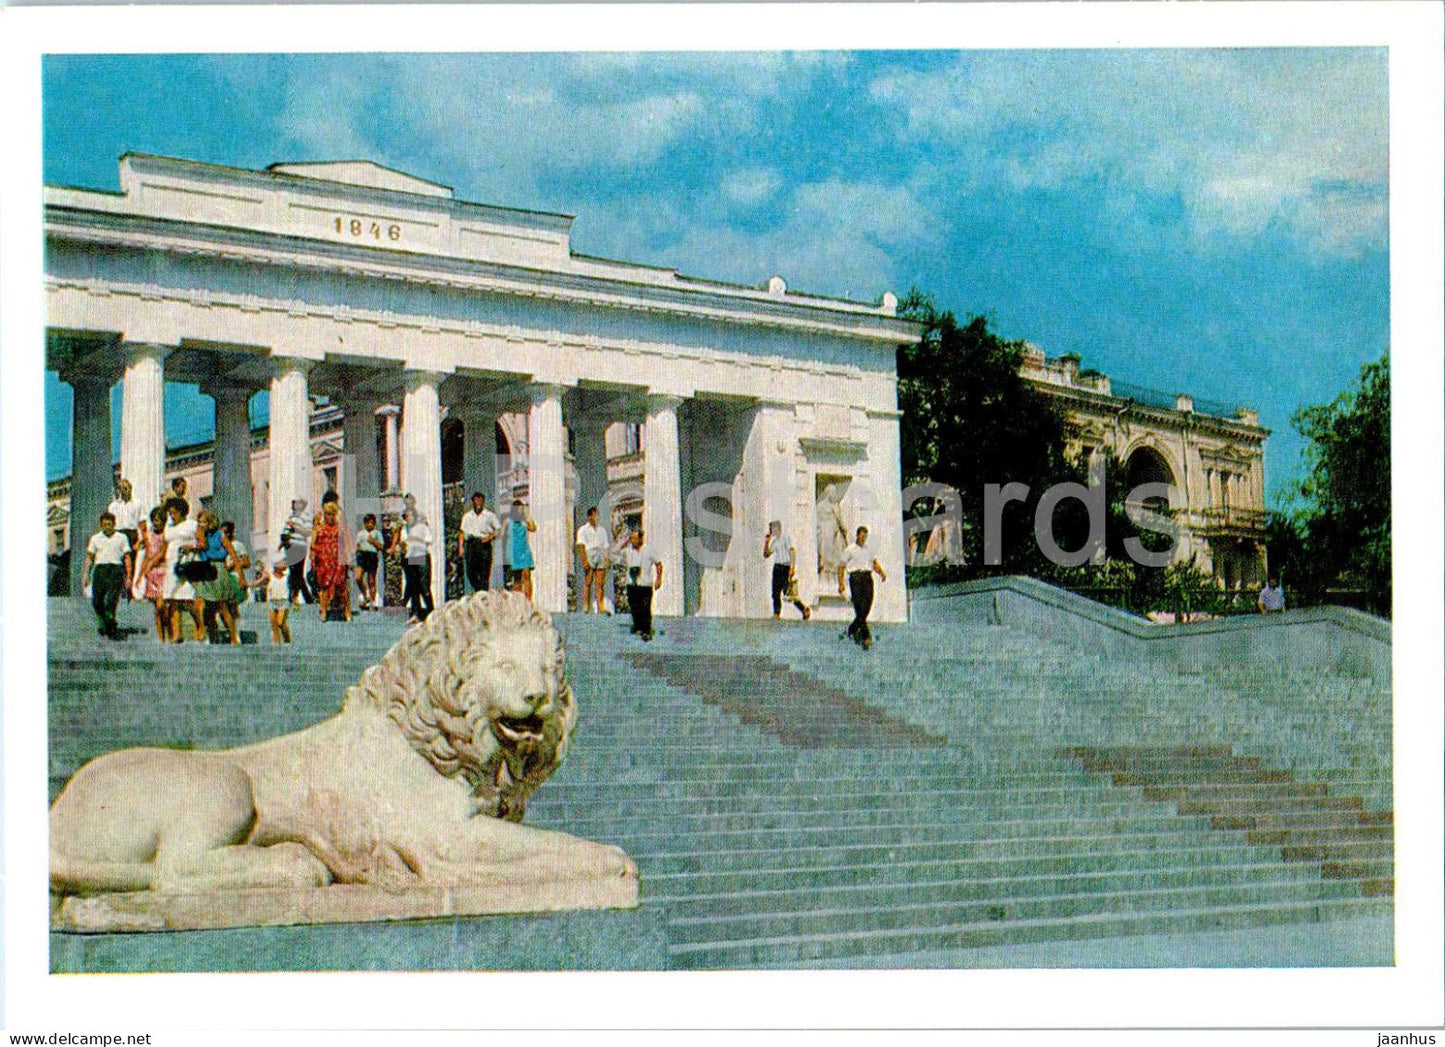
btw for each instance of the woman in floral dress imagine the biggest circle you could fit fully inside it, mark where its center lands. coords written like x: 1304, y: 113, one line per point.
x: 331, y: 577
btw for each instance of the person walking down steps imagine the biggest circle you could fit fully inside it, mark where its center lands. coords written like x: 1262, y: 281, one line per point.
x: 107, y: 566
x: 860, y: 565
x: 785, y: 582
x: 644, y: 577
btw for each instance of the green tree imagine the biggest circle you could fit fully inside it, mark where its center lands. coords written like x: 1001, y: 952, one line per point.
x: 1345, y: 519
x: 969, y: 420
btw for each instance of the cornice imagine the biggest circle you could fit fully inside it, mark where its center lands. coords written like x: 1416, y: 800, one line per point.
x: 1109, y: 404
x: 467, y: 329
x: 143, y: 163
x: 233, y: 244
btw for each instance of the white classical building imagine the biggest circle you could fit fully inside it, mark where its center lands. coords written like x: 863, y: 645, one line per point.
x: 385, y: 295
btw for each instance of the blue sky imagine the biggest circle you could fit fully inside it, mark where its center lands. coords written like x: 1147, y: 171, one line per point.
x: 1210, y: 221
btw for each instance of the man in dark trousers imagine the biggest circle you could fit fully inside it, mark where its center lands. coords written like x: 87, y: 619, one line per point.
x: 780, y: 547
x: 859, y: 564
x: 108, y: 565
x: 644, y: 577
x: 479, y: 529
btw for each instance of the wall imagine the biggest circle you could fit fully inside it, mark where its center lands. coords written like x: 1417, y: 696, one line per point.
x: 1332, y: 639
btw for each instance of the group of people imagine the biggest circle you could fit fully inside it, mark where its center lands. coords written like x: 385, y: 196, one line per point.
x: 337, y: 556
x: 196, y: 567
x: 186, y: 566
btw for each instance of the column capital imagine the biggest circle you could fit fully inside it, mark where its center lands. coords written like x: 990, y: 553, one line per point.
x: 291, y: 364
x: 540, y: 391
x: 229, y: 390
x: 389, y: 410
x: 663, y: 402
x: 145, y: 350
x: 356, y: 403
x: 419, y: 377
x: 90, y: 379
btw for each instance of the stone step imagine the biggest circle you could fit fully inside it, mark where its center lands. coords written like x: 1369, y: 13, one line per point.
x: 877, y: 893
x: 788, y: 950
x: 964, y: 846
x: 842, y: 815
x: 901, y: 871
x: 673, y: 839
x: 1327, y: 836
x: 624, y: 786
x: 718, y: 930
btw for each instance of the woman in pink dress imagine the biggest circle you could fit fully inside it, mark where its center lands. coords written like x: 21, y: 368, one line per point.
x: 151, y: 575
x: 325, y: 561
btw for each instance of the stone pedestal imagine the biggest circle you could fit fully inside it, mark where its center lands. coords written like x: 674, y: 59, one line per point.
x: 662, y: 498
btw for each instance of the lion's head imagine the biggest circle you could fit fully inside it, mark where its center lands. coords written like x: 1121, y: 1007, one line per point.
x: 478, y: 689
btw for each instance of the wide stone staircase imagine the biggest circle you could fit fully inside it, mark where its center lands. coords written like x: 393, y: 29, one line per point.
x: 794, y: 801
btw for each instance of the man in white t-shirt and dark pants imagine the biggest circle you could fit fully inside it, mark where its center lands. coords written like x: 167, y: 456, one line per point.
x: 644, y: 577
x: 592, y: 547
x: 107, y: 566
x: 479, y: 530
x: 859, y: 564
x: 780, y: 547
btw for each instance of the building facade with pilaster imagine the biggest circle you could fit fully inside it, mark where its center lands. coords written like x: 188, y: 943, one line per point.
x: 419, y: 318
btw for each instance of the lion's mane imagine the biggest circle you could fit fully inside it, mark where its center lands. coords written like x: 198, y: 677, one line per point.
x: 427, y: 685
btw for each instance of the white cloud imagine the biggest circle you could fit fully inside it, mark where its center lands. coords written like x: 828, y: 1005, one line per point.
x: 752, y: 186
x: 1244, y: 138
x: 833, y: 237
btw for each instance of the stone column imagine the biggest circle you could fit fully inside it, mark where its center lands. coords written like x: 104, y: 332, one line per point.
x: 361, y: 473
x: 662, y: 497
x: 421, y: 465
x: 589, y: 457
x: 389, y: 415
x: 290, y: 445
x: 143, y: 424
x: 92, y: 477
x: 232, y: 496
x: 547, y: 487
x: 479, y: 455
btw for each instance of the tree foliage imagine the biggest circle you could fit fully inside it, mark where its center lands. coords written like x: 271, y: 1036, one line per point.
x: 970, y: 419
x: 1340, y: 538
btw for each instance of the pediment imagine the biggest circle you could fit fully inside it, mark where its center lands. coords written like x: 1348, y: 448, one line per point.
x: 364, y: 173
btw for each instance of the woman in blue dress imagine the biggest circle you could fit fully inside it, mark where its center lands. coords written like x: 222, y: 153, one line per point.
x: 519, y: 548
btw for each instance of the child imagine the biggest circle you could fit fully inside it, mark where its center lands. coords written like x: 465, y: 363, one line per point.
x: 368, y: 558
x: 107, y: 560
x: 278, y: 594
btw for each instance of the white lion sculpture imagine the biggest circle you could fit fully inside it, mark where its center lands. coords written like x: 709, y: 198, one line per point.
x: 406, y: 803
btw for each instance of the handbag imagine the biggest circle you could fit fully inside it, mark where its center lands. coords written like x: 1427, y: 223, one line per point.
x: 792, y: 590
x: 190, y: 567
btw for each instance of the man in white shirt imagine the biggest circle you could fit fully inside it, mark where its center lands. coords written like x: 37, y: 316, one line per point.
x: 480, y: 528
x: 592, y: 547
x: 780, y: 547
x: 418, y: 565
x: 859, y: 564
x: 127, y: 513
x: 294, y: 541
x: 644, y: 577
x: 107, y: 566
